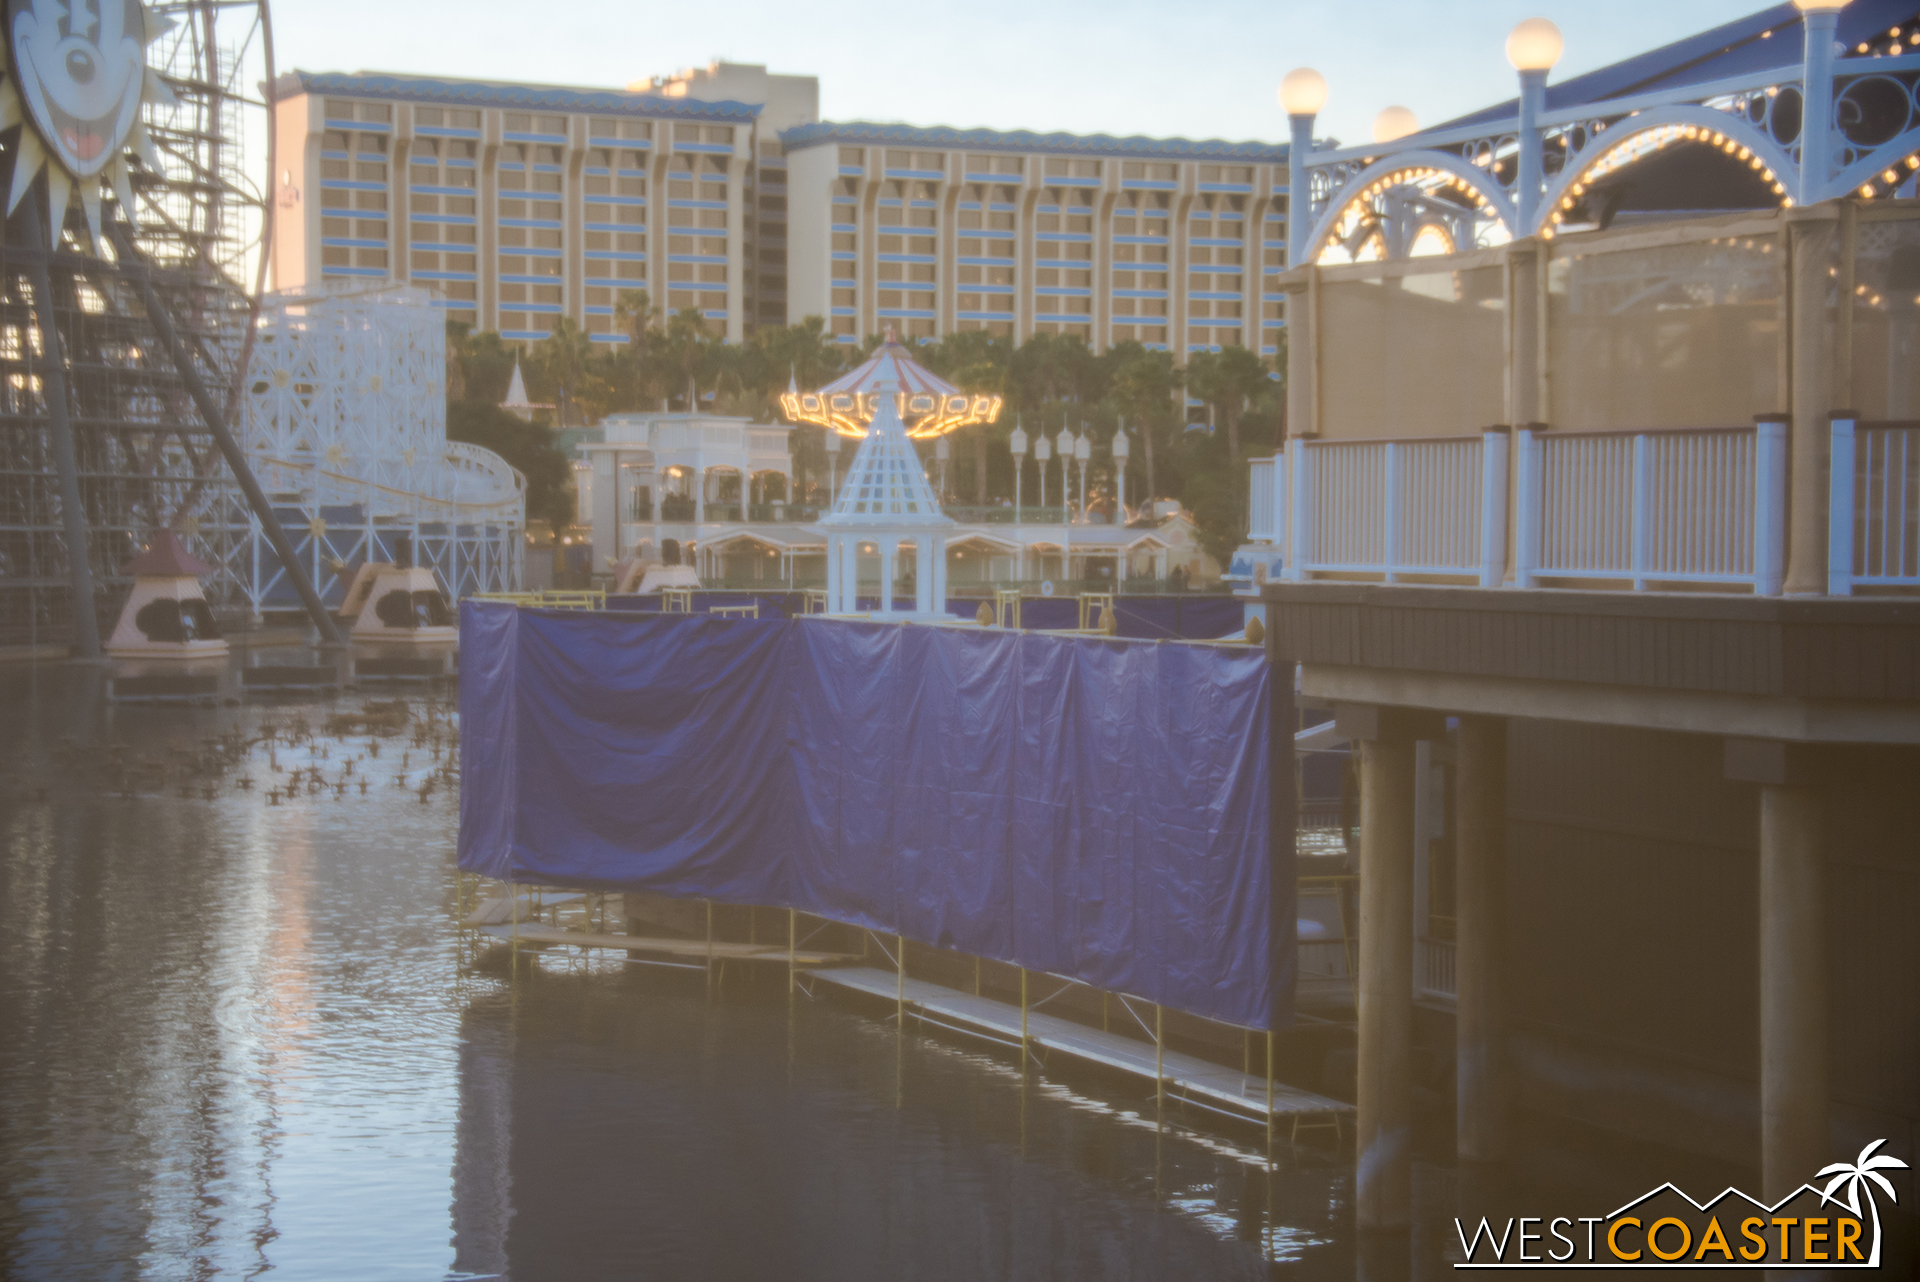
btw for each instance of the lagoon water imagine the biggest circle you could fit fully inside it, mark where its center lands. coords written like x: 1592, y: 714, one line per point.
x: 240, y: 1041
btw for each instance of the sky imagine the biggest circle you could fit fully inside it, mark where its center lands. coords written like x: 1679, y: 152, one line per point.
x: 1199, y: 69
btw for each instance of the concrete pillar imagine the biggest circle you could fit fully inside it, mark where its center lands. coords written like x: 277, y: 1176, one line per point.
x: 1793, y: 989
x: 1383, y: 1179
x: 1814, y: 240
x: 1794, y: 963
x: 1480, y: 864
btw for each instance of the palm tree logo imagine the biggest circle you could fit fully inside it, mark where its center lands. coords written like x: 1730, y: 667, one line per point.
x: 1855, y: 1176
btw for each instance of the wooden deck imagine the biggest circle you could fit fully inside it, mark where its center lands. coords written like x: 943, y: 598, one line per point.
x: 1187, y: 1077
x: 696, y: 950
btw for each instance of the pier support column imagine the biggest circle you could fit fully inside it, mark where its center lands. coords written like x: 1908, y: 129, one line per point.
x: 1383, y: 1180
x: 1794, y: 967
x: 1480, y: 866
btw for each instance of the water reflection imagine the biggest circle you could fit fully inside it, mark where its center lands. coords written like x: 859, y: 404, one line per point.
x: 240, y: 1042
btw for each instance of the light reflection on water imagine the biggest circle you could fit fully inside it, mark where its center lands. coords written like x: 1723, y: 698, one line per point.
x: 239, y: 1041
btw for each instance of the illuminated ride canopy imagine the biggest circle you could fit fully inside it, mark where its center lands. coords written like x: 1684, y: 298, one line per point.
x: 928, y: 404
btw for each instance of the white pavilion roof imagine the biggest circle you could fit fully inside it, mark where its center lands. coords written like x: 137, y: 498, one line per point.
x: 887, y: 484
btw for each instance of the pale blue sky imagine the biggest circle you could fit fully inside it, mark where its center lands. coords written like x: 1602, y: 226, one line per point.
x: 1200, y: 69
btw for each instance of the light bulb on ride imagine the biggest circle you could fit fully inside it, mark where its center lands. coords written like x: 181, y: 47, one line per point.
x: 1393, y: 124
x: 1535, y: 45
x: 1303, y: 91
x: 1017, y: 442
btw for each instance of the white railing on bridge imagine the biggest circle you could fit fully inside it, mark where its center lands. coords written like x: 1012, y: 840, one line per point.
x: 1873, y: 507
x: 1428, y: 508
x: 1696, y: 506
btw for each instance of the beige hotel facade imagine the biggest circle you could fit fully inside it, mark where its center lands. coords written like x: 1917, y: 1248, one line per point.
x: 720, y: 189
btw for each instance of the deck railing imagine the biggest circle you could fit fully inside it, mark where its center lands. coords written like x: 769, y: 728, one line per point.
x: 1704, y: 506
x: 1645, y: 509
x: 1264, y: 510
x: 1431, y: 508
x: 1873, y: 538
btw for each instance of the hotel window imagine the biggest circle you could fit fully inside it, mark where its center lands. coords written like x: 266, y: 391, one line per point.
x: 608, y: 127
x: 988, y: 164
x: 373, y: 113
x: 1226, y: 173
x: 851, y: 156
x: 1145, y: 171
x: 1274, y: 311
x: 1072, y: 169
x: 843, y: 297
x: 916, y: 160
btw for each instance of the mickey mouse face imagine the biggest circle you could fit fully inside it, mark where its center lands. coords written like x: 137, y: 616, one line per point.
x: 81, y: 67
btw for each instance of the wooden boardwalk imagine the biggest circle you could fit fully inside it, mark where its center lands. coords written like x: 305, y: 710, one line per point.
x: 1185, y: 1077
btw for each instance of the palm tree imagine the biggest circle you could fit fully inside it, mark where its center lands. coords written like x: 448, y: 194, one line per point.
x: 1228, y: 378
x: 687, y: 348
x: 1144, y: 384
x: 635, y: 314
x: 1855, y: 1175
x: 565, y: 356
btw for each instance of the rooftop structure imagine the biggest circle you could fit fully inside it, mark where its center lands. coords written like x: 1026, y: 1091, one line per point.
x: 848, y: 404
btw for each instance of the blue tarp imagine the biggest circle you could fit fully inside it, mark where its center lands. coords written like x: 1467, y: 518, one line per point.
x: 1097, y: 809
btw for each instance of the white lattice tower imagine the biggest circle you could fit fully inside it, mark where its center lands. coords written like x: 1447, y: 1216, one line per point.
x: 885, y: 500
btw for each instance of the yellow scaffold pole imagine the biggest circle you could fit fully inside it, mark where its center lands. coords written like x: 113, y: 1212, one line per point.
x: 709, y: 945
x: 1159, y: 1056
x: 1269, y: 1092
x: 1023, y: 1020
x: 793, y: 927
x: 900, y: 966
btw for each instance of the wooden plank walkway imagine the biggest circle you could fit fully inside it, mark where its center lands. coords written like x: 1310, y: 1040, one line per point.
x: 538, y: 936
x: 1187, y: 1077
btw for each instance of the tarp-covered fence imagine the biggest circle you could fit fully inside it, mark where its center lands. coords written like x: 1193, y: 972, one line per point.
x: 1196, y: 616
x: 1096, y: 809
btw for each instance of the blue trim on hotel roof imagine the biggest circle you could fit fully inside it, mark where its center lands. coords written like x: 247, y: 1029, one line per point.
x: 484, y: 93
x: 861, y: 132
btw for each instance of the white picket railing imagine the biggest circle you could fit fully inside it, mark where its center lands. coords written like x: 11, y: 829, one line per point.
x: 1873, y: 507
x: 1263, y: 512
x: 1650, y: 509
x: 1703, y: 506
x: 1396, y: 508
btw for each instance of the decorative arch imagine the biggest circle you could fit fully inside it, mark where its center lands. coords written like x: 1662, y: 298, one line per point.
x: 1493, y: 197
x: 1870, y: 169
x: 1629, y: 140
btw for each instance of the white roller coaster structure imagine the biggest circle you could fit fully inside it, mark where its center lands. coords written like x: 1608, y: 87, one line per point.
x: 345, y: 426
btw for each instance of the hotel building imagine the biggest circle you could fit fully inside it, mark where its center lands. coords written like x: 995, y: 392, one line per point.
x: 720, y: 189
x: 1165, y: 242
x: 520, y: 204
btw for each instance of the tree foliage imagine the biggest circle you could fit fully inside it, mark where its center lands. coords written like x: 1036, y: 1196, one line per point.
x: 676, y: 362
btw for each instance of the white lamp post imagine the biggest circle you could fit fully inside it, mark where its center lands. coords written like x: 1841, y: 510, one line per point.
x: 833, y: 463
x: 1303, y: 92
x: 1042, y: 451
x: 1120, y: 451
x: 1532, y: 47
x: 1083, y: 452
x: 1821, y: 18
x: 1017, y: 442
x: 1063, y: 446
